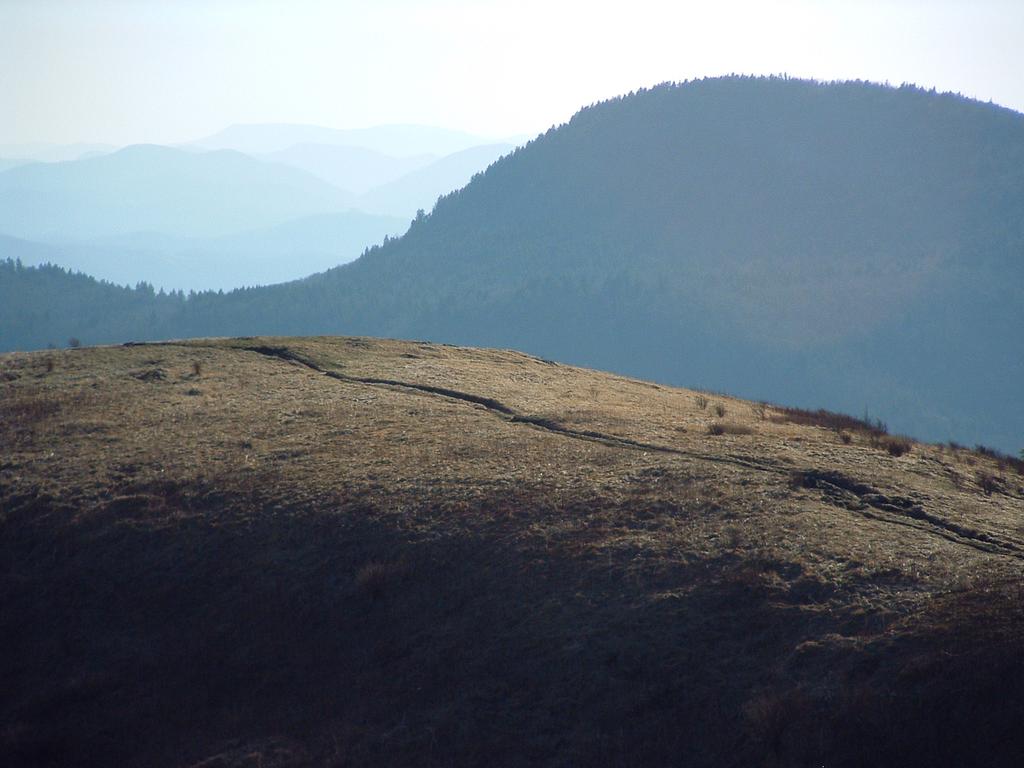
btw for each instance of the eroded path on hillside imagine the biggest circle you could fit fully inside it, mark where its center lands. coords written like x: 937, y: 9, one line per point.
x: 837, y: 489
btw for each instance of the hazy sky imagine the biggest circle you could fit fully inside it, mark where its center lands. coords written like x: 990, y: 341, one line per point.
x: 124, y: 71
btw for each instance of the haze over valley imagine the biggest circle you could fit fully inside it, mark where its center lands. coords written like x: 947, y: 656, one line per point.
x: 207, y: 216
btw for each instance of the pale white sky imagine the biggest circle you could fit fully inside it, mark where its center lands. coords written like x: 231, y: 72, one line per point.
x: 125, y: 71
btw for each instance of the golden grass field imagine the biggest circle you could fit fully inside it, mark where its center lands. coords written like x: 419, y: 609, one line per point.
x: 348, y: 551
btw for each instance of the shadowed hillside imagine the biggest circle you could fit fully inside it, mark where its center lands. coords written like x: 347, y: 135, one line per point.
x: 848, y: 245
x: 326, y: 552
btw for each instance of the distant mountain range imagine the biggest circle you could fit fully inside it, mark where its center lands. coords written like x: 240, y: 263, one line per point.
x: 190, y: 218
x: 6, y: 164
x: 149, y: 188
x: 263, y: 256
x: 53, y: 153
x: 851, y: 246
x: 354, y: 169
x: 420, y: 188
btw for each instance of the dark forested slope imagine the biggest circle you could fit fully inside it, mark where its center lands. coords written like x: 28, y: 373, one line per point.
x: 847, y: 245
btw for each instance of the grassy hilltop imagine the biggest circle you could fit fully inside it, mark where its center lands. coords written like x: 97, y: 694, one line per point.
x: 344, y: 551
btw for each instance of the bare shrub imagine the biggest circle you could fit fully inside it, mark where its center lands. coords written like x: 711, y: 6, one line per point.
x: 988, y: 482
x: 846, y: 438
x: 722, y: 428
x: 895, y: 445
x: 701, y: 401
x: 1004, y: 460
x: 719, y: 410
x: 837, y: 422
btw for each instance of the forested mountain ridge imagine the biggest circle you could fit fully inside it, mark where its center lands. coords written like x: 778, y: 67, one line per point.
x: 845, y: 245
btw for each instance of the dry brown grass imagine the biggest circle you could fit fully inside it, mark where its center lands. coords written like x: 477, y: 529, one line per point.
x: 23, y: 411
x: 828, y: 420
x: 876, y: 432
x: 1003, y: 460
x: 353, y: 567
x: 894, y: 445
x: 726, y: 428
x: 989, y: 483
x: 30, y: 411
